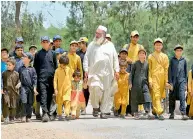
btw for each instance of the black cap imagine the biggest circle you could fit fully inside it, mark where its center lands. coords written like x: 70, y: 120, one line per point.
x: 29, y: 55
x: 123, y: 50
x: 178, y: 47
x: 32, y: 46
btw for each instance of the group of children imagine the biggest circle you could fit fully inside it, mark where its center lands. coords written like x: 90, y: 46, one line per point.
x: 58, y: 75
x: 21, y: 81
x: 144, y: 82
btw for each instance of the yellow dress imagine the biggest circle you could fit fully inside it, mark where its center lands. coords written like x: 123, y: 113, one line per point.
x: 62, y: 83
x: 121, y: 97
x: 190, y: 89
x: 75, y: 63
x: 133, y: 55
x: 158, y: 77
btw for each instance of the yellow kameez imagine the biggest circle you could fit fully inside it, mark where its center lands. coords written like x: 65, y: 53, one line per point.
x: 158, y: 77
x: 75, y: 63
x: 62, y: 83
x: 121, y: 98
x: 133, y: 55
x: 190, y: 89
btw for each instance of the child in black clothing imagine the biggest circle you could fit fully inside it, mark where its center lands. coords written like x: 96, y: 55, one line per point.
x: 28, y: 78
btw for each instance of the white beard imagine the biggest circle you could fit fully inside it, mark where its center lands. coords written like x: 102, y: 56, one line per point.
x: 98, y: 41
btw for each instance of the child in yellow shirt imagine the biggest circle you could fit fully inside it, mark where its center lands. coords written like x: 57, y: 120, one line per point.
x: 121, y: 98
x: 62, y: 87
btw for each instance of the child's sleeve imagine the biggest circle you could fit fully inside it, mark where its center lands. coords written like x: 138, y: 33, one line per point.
x: 34, y: 78
x: 56, y: 80
x: 166, y: 66
x: 149, y: 70
x: 131, y: 76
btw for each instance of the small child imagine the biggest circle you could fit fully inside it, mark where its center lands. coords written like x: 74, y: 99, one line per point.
x: 11, y: 86
x: 139, y: 86
x: 121, y: 97
x: 77, y: 95
x: 178, y: 81
x: 28, y: 78
x: 62, y: 87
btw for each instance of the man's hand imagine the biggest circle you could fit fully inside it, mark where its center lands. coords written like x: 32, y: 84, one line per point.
x: 86, y: 75
x: 117, y: 75
x: 129, y: 60
x: 56, y: 92
x: 35, y: 92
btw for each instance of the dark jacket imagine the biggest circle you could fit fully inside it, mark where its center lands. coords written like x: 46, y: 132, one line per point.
x: 28, y: 79
x: 177, y: 71
x: 45, y: 64
x: 19, y: 62
x: 139, y: 80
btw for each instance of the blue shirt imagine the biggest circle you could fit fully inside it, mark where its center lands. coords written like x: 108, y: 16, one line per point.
x: 3, y: 66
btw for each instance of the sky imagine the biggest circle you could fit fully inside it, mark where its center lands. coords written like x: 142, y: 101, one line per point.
x: 54, y: 13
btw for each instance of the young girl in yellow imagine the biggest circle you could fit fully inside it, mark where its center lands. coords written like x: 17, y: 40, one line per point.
x: 190, y: 92
x: 62, y: 87
x: 121, y: 98
x: 77, y: 95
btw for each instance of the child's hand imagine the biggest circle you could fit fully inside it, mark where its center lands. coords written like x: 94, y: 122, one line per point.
x: 56, y: 92
x: 130, y: 86
x: 35, y: 92
x: 18, y: 86
x: 2, y: 92
x: 150, y: 85
x: 129, y: 60
x: 168, y: 86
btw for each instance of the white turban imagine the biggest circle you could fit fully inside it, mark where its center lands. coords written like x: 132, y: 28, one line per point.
x: 102, y: 28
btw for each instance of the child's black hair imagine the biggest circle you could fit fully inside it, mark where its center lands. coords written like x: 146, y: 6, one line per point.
x: 123, y: 63
x: 64, y: 60
x: 12, y: 61
x: 76, y: 73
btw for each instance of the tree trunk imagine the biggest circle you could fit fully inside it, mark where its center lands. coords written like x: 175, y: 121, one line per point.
x: 157, y: 18
x: 17, y: 13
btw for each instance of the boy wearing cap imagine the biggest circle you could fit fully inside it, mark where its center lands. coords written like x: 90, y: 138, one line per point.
x: 178, y: 81
x: 59, y: 52
x: 108, y: 37
x: 81, y: 53
x: 45, y: 64
x: 74, y: 59
x: 18, y: 41
x: 33, y: 50
x: 57, y: 40
x: 133, y: 49
x: 158, y: 77
x: 139, y: 86
x: 17, y: 55
x: 28, y: 79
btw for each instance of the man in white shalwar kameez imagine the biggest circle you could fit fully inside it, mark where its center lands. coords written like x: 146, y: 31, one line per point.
x: 101, y: 66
